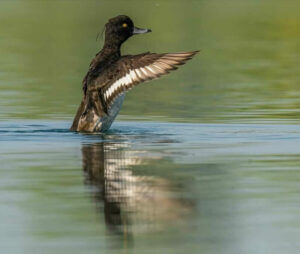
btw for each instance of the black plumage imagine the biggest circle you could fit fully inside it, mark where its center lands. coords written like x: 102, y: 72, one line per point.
x: 110, y: 75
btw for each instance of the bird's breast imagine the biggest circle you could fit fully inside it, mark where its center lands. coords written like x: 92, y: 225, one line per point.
x: 104, y: 123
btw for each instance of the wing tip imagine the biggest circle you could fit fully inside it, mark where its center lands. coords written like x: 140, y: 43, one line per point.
x: 187, y: 53
x: 178, y: 58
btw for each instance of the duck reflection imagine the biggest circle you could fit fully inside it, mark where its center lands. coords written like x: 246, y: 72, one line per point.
x: 132, y: 202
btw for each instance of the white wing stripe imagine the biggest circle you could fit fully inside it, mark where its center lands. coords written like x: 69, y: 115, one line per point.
x: 124, y: 81
x: 131, y: 77
x: 158, y: 67
x: 144, y: 71
x: 128, y: 79
x: 150, y: 69
x: 138, y: 72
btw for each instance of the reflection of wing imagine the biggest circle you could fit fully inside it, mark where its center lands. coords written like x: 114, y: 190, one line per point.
x: 129, y: 198
x: 132, y: 70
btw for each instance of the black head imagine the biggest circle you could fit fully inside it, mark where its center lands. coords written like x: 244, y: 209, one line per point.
x: 120, y: 28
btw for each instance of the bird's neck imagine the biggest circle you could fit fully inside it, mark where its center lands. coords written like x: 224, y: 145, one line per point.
x: 110, y: 53
x: 112, y: 46
x: 107, y: 56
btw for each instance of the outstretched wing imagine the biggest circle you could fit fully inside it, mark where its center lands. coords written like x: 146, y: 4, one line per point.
x: 129, y: 71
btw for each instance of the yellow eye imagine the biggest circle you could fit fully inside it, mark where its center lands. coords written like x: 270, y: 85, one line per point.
x: 124, y: 25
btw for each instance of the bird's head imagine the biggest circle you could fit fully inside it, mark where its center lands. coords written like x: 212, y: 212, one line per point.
x: 120, y: 28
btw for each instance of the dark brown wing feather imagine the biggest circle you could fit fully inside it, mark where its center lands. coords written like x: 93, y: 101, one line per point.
x: 129, y: 71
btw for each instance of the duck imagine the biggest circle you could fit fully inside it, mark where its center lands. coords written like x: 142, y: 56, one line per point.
x: 111, y: 75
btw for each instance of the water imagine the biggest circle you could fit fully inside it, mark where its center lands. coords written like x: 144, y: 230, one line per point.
x: 148, y: 187
x: 205, y: 160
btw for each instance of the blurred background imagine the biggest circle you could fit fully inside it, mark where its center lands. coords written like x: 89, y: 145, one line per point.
x: 204, y: 160
x: 247, y: 69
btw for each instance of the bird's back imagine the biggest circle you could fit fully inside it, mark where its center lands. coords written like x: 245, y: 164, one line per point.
x: 101, y: 62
